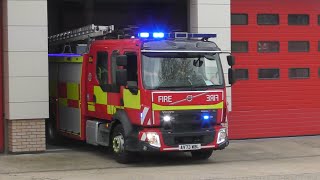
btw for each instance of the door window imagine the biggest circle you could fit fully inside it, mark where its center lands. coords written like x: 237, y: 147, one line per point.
x: 102, y: 67
x: 239, y: 19
x: 132, y: 68
x: 299, y: 73
x: 242, y: 74
x: 269, y: 73
x: 268, y: 46
x: 298, y: 19
x: 239, y: 46
x: 298, y: 46
x: 268, y: 19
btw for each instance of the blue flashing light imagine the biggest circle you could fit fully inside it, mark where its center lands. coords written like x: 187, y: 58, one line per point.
x: 64, y: 55
x: 158, y: 35
x: 144, y: 35
x: 205, y: 117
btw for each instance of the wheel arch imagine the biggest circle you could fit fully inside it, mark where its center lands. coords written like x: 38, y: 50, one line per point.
x: 121, y: 117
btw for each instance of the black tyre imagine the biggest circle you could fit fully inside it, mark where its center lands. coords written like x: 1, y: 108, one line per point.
x: 52, y: 136
x: 202, y: 154
x: 118, y: 141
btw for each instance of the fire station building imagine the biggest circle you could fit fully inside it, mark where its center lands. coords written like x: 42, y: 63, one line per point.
x: 276, y: 45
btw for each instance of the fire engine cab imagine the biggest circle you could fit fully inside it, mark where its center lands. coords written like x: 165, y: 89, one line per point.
x: 138, y: 92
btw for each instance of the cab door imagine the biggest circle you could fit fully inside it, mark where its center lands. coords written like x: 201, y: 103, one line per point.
x: 98, y: 78
x: 131, y: 93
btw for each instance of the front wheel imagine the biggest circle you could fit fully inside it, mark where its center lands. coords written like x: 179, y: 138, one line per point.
x: 202, y: 154
x: 118, y: 146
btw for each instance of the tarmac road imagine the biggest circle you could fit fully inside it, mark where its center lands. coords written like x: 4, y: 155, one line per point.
x: 263, y: 159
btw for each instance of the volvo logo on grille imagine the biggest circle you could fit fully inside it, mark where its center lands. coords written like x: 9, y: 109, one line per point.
x: 189, y: 98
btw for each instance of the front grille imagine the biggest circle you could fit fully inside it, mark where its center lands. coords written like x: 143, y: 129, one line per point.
x: 188, y: 120
x: 174, y: 139
x: 188, y: 140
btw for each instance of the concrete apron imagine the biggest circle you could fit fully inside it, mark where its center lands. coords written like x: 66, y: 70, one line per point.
x: 85, y: 157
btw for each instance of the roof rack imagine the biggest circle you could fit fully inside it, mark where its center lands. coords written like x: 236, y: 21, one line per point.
x: 83, y: 33
x: 186, y: 35
x: 93, y: 31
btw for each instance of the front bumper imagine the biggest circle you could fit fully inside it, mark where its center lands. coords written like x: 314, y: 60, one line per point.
x: 146, y: 147
x: 171, y: 141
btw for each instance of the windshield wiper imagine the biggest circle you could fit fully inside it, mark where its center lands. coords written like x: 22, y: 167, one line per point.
x: 162, y: 88
x: 208, y: 86
x: 183, y: 88
x: 173, y: 88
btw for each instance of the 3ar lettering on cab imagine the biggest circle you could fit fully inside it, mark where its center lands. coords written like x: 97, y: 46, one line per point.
x: 212, y: 98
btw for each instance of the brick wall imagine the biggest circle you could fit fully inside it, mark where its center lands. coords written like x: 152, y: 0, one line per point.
x: 26, y: 135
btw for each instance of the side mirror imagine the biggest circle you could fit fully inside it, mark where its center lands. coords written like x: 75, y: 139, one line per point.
x: 133, y: 87
x: 121, y: 77
x: 231, y: 60
x: 121, y: 60
x: 231, y: 76
x: 197, y: 63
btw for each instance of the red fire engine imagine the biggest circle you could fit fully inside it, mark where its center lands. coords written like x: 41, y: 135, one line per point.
x: 138, y: 92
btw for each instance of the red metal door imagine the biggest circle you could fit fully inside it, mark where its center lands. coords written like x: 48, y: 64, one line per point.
x: 286, y: 102
x: 1, y: 86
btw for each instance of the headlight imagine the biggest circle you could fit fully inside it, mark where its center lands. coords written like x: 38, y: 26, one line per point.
x: 167, y: 118
x: 222, y: 136
x: 153, y: 139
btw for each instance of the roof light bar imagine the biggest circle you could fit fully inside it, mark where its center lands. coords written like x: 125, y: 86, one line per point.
x: 144, y: 35
x: 158, y: 35
x: 175, y: 35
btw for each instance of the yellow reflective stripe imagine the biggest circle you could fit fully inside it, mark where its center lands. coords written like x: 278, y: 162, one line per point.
x: 113, y: 109
x: 110, y: 109
x: 63, y: 101
x: 91, y: 107
x: 73, y: 91
x: 119, y: 107
x: 157, y: 107
x: 91, y: 103
x: 78, y: 59
x: 130, y: 100
x: 53, y: 86
x: 101, y: 97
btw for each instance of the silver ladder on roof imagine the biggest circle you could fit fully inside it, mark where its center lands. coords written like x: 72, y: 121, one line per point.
x: 83, y: 33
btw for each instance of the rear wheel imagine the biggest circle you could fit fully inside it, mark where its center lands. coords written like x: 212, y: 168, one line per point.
x: 202, y: 154
x: 118, y: 146
x: 52, y: 136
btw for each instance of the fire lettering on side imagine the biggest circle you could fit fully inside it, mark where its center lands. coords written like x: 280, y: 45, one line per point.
x: 212, y: 98
x: 165, y: 99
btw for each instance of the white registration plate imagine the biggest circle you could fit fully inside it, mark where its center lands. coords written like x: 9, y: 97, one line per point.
x: 186, y: 147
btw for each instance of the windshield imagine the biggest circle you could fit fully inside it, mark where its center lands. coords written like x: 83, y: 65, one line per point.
x: 181, y: 70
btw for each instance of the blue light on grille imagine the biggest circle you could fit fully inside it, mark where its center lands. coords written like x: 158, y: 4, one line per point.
x: 205, y: 117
